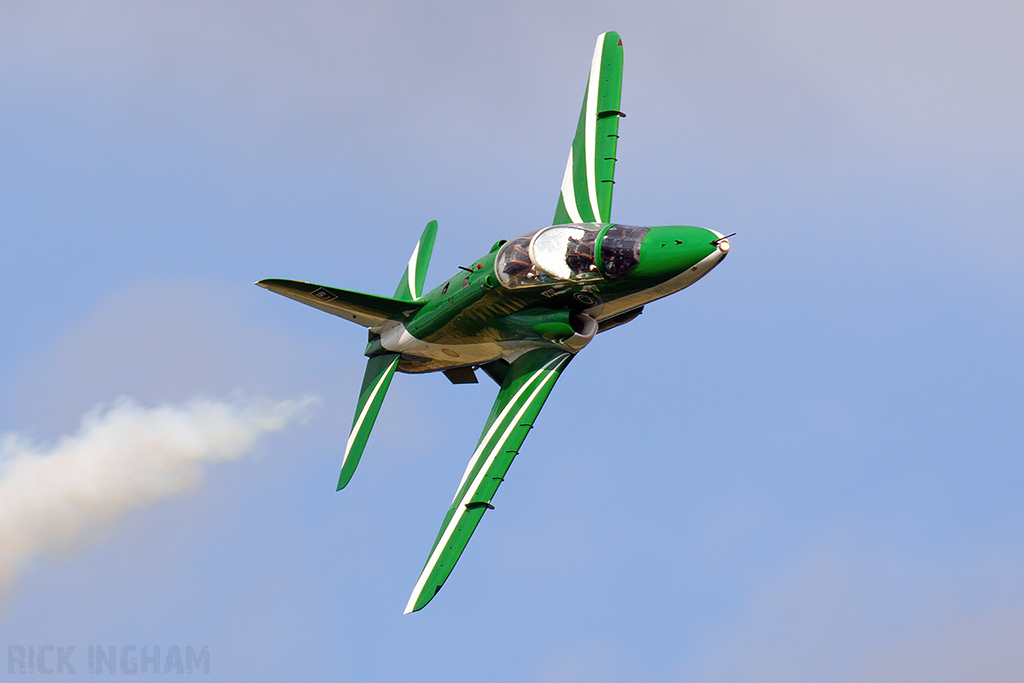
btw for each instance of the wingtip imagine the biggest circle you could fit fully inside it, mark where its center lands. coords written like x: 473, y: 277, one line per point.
x: 410, y: 606
x: 348, y: 464
x: 418, y: 600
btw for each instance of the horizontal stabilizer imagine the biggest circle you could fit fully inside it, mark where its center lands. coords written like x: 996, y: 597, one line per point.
x: 376, y: 380
x: 367, y: 310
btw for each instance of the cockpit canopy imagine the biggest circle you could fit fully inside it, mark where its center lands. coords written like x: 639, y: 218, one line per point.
x: 575, y: 253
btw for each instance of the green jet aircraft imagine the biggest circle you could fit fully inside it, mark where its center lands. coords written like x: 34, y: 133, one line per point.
x: 519, y: 313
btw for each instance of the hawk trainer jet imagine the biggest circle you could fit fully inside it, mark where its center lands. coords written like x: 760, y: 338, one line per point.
x: 520, y: 312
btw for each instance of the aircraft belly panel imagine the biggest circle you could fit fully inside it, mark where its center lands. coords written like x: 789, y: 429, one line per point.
x: 423, y: 356
x: 614, y: 306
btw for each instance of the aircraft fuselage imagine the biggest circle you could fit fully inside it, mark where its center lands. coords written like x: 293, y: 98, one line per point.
x: 557, y: 297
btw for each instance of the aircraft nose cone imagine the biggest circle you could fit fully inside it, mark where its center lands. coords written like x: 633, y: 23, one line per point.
x: 672, y: 249
x: 722, y: 242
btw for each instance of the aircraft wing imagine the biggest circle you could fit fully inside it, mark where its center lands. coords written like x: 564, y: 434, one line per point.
x: 586, y: 195
x: 523, y: 391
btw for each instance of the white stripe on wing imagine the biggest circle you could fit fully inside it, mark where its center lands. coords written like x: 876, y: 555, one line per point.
x: 593, y: 86
x: 544, y: 374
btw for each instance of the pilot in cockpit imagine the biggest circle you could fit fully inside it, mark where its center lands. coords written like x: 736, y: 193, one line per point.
x: 579, y: 254
x: 518, y: 260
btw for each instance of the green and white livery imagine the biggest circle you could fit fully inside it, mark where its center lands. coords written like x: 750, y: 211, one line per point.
x: 523, y: 391
x: 586, y: 195
x: 519, y: 313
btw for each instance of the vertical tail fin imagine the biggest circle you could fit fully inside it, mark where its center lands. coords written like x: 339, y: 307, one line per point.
x: 380, y: 369
x: 411, y: 286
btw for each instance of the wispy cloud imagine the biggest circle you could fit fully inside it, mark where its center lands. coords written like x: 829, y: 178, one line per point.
x: 54, y: 499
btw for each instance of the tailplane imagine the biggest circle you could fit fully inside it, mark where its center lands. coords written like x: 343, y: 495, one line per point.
x: 376, y: 313
x: 376, y: 380
x: 381, y: 368
x: 368, y: 310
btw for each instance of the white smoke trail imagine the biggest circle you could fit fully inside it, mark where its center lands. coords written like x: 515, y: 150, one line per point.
x: 123, y: 456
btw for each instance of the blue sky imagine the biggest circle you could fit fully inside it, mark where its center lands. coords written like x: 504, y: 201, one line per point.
x: 806, y: 467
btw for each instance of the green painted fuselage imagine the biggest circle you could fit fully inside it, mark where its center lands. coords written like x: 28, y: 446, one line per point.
x: 481, y: 314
